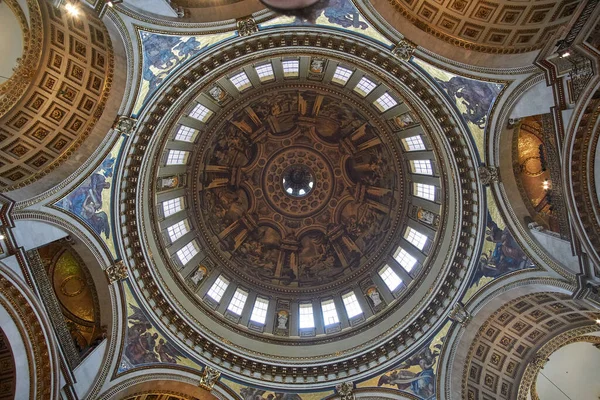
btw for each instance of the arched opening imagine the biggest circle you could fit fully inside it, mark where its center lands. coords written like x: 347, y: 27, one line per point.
x: 8, y: 373
x: 157, y: 388
x: 571, y: 372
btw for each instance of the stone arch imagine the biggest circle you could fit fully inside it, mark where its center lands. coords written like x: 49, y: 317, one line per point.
x: 97, y: 260
x: 29, y: 334
x: 580, y: 178
x: 8, y: 373
x: 179, y: 383
x: 511, y: 322
x: 545, y: 248
x: 443, y: 30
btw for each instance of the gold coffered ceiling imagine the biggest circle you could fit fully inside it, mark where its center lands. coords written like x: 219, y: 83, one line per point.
x: 489, y: 26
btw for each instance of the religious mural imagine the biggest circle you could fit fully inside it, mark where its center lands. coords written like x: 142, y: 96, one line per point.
x: 91, y: 201
x: 144, y: 343
x: 162, y: 54
x: 416, y: 375
x: 473, y: 98
x: 340, y: 14
x: 288, y: 239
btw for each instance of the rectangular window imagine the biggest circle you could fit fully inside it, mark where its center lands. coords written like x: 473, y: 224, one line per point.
x: 290, y: 68
x: 265, y: 72
x: 385, y: 102
x: 187, y: 252
x: 414, y: 143
x: 330, y: 316
x: 425, y: 191
x: 201, y: 113
x: 351, y: 304
x: 416, y: 238
x: 422, y: 167
x: 404, y: 259
x: 236, y: 305
x: 365, y: 86
x: 186, y: 134
x: 178, y: 230
x: 240, y: 81
x: 259, y: 312
x: 341, y: 75
x: 307, y: 319
x: 390, y: 278
x: 172, y: 206
x: 177, y: 157
x: 218, y: 288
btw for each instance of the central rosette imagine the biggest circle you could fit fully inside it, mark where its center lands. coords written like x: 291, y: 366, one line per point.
x: 298, y: 181
x: 299, y: 189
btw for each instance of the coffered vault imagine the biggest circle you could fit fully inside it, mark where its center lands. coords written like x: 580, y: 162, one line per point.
x: 378, y: 200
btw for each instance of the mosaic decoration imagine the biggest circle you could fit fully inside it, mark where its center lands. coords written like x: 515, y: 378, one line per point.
x: 473, y: 98
x: 91, y: 201
x: 163, y: 54
x: 416, y: 375
x: 340, y: 14
x: 500, y: 254
x: 145, y: 344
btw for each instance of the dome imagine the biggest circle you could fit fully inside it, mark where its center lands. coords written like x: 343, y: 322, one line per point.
x: 307, y: 201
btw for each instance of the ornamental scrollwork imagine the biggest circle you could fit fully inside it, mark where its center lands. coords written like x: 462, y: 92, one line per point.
x: 345, y: 390
x: 117, y: 272
x: 404, y: 49
x: 247, y: 26
x: 487, y: 175
x: 124, y: 124
x: 209, y: 378
x: 460, y: 314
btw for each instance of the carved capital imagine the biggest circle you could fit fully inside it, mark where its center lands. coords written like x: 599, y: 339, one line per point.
x: 487, y: 175
x: 345, y: 390
x: 404, y: 49
x: 460, y: 315
x: 124, y: 124
x: 208, y: 378
x: 247, y: 26
x: 117, y: 272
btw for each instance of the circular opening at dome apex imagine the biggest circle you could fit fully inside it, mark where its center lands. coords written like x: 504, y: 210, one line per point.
x: 298, y: 180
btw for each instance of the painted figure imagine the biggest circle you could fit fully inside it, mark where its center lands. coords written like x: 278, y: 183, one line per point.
x: 476, y: 96
x: 422, y: 383
x: 142, y: 346
x: 86, y: 201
